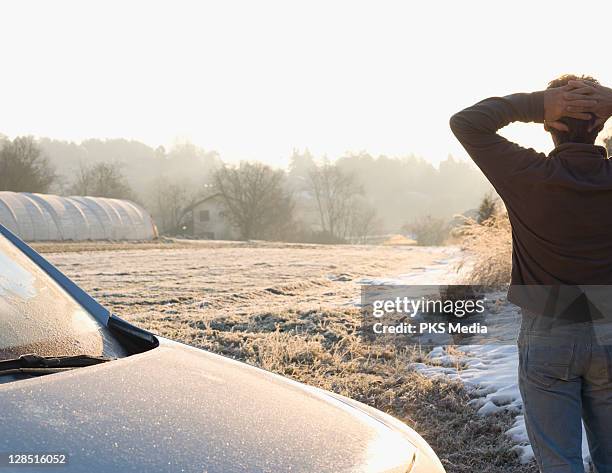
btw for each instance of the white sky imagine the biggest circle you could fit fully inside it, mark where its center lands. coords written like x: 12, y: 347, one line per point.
x: 254, y: 79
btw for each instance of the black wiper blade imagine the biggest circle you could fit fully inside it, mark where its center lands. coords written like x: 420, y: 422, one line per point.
x: 48, y: 364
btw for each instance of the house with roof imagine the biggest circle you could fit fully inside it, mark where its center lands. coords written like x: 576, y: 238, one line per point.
x: 207, y: 219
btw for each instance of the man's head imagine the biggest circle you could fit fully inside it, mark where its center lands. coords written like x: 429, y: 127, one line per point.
x: 579, y: 131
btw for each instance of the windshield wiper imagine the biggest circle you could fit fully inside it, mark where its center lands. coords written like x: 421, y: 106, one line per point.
x: 37, y: 365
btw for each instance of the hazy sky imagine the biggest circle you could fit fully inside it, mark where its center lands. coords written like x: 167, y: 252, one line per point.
x: 254, y: 79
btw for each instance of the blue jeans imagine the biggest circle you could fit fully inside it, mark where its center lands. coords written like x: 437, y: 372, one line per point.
x: 565, y: 377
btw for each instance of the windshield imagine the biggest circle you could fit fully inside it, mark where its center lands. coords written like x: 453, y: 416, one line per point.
x: 38, y: 316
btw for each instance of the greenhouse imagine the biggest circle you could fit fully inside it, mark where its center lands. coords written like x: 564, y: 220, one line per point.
x: 41, y: 217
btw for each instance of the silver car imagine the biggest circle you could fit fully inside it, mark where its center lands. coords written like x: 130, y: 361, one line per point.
x: 84, y: 391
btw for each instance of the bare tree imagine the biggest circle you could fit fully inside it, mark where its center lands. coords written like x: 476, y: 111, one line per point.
x: 169, y: 200
x: 255, y: 199
x: 334, y: 191
x: 23, y: 168
x: 364, y: 221
x: 101, y: 180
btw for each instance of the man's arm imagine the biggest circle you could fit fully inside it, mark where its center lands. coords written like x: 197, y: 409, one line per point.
x: 477, y: 127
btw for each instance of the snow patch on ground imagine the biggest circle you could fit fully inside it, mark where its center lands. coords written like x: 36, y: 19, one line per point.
x: 443, y: 271
x: 490, y: 372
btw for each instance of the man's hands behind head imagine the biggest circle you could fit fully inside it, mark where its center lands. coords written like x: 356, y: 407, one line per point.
x: 581, y: 91
x: 561, y: 102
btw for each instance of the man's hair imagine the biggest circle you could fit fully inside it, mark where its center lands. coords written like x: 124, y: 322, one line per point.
x: 578, y: 129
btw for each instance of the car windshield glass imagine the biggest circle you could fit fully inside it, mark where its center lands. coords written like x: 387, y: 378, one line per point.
x: 39, y: 316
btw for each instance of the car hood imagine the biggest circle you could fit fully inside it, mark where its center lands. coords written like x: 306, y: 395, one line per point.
x: 179, y: 409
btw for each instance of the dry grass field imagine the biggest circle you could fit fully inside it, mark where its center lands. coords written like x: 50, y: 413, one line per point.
x: 291, y: 309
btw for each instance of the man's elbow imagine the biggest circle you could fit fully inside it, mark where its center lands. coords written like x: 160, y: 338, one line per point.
x: 457, y: 123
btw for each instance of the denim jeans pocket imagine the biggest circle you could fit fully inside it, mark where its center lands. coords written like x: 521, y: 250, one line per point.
x: 547, y: 361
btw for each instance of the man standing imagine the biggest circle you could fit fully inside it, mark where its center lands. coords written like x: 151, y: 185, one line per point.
x: 560, y: 210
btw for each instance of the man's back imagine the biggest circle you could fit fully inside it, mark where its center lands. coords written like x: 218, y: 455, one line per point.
x: 562, y: 221
x: 560, y: 206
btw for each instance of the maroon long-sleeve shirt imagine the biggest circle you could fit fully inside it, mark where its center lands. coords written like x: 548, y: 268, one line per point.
x: 560, y: 205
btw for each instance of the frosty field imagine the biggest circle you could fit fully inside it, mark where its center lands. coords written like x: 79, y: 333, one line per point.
x: 291, y: 309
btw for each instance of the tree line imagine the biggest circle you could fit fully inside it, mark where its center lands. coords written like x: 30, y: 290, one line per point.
x: 313, y: 200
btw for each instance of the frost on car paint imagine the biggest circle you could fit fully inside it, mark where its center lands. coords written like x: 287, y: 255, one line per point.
x: 38, y: 316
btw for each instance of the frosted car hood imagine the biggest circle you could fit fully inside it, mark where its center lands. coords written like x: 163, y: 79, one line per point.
x: 179, y: 409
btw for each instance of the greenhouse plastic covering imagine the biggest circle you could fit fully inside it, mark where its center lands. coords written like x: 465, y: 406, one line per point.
x: 41, y: 217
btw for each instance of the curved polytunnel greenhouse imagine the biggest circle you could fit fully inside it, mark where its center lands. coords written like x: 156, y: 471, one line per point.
x: 41, y: 217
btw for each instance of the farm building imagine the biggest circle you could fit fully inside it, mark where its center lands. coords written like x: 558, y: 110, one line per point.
x: 41, y: 217
x: 207, y: 219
